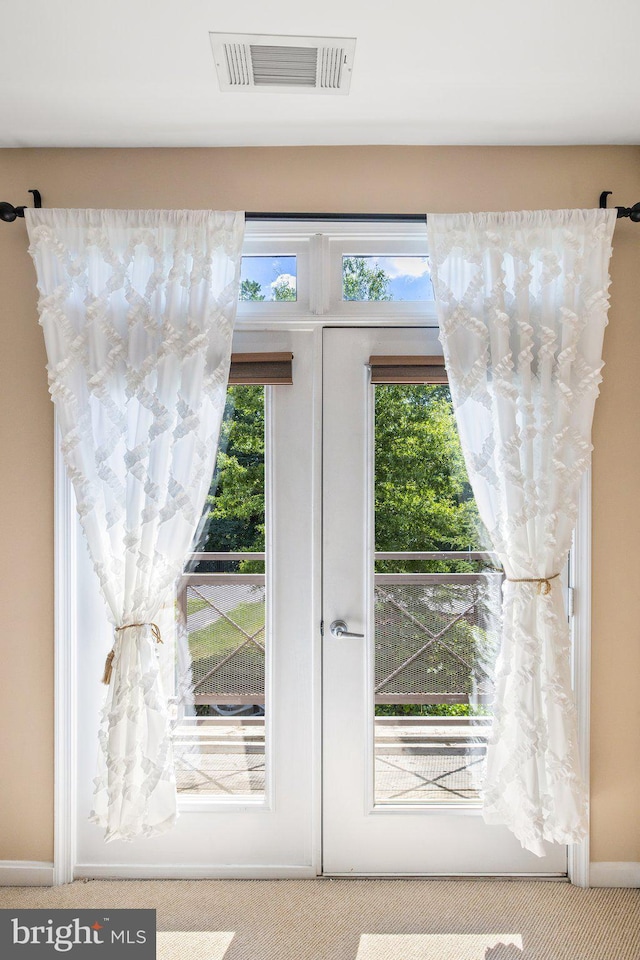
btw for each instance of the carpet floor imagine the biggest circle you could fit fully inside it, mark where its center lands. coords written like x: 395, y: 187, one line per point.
x: 366, y: 919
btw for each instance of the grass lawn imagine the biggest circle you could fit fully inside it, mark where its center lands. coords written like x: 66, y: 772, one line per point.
x: 222, y: 637
x: 195, y: 604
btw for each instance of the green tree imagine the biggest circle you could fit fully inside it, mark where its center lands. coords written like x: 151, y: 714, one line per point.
x: 236, y: 498
x: 423, y: 500
x: 251, y: 290
x: 360, y: 282
x: 282, y: 291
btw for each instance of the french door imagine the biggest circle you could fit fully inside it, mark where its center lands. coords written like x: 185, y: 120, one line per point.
x: 240, y: 668
x: 306, y: 750
x: 400, y: 784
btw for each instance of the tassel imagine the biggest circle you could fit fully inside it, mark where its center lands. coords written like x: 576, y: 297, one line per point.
x: 108, y: 668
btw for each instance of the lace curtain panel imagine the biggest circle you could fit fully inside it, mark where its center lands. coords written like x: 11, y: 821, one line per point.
x: 137, y: 309
x: 522, y: 302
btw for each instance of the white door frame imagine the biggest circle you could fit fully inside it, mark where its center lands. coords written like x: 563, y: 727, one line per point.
x: 318, y: 310
x: 580, y: 603
x: 65, y: 686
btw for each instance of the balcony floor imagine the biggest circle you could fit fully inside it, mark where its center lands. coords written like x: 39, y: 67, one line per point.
x: 415, y: 761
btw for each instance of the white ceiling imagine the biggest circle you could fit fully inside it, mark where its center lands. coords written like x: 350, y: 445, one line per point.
x: 137, y: 73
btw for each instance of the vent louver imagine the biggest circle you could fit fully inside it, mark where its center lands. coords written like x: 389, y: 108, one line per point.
x: 286, y: 66
x: 331, y: 60
x: 238, y: 66
x: 257, y: 63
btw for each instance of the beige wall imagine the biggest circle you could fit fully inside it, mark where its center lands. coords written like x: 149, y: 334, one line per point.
x: 377, y: 179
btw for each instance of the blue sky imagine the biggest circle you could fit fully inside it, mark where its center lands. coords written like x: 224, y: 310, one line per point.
x: 409, y: 276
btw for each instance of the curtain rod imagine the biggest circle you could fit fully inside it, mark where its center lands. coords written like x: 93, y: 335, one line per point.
x: 9, y: 213
x: 343, y: 217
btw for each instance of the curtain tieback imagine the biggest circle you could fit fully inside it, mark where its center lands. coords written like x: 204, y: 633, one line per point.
x: 544, y: 583
x: 108, y: 665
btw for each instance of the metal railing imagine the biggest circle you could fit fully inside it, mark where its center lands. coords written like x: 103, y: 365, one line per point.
x: 436, y: 634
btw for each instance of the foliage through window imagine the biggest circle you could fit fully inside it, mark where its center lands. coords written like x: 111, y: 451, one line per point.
x: 268, y: 279
x: 386, y: 278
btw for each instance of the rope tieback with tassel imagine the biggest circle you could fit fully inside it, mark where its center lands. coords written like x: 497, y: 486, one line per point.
x: 108, y: 666
x: 544, y: 583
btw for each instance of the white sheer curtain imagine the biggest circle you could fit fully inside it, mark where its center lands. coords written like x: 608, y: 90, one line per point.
x: 522, y: 302
x: 137, y: 309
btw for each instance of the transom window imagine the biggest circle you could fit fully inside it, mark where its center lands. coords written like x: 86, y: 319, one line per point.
x: 369, y: 272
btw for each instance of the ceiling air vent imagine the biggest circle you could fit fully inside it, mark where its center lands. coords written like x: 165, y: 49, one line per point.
x: 258, y: 63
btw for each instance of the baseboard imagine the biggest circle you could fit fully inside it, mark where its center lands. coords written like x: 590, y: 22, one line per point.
x: 26, y: 873
x: 35, y: 873
x: 172, y: 871
x: 617, y: 874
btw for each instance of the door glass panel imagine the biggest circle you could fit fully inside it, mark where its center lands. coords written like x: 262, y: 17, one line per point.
x: 386, y: 278
x: 437, y: 600
x: 220, y: 738
x: 268, y: 278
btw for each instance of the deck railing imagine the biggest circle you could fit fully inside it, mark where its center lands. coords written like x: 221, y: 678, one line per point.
x: 436, y: 634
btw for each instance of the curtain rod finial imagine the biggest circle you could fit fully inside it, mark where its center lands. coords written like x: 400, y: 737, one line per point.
x: 632, y: 212
x: 9, y: 213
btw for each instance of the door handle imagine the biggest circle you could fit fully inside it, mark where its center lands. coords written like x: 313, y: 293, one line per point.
x: 339, y: 630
